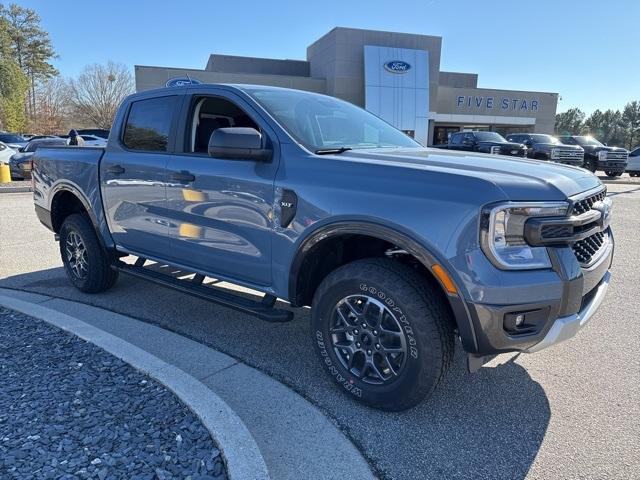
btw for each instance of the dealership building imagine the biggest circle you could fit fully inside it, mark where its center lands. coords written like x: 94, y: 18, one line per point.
x: 396, y: 76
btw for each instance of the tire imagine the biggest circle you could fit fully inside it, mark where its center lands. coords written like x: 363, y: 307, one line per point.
x: 415, y: 316
x: 86, y: 263
x: 611, y: 173
x: 590, y: 165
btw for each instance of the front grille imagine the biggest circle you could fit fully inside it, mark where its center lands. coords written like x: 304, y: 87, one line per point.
x: 617, y: 156
x: 585, y: 204
x: 586, y: 250
x: 561, y: 154
x: 556, y: 231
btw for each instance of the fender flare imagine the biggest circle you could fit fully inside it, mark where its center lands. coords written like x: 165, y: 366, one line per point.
x: 462, y: 314
x: 76, y: 191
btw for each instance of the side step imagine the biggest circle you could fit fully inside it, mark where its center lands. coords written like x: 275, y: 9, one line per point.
x: 262, y: 309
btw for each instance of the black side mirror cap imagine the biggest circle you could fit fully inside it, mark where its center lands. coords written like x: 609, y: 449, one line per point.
x: 238, y: 143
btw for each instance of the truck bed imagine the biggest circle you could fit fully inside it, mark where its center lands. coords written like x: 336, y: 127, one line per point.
x: 71, y: 168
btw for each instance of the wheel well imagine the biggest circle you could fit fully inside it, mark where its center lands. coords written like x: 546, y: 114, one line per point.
x: 64, y: 203
x: 331, y: 253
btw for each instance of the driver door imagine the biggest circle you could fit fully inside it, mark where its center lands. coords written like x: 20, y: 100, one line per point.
x: 221, y: 217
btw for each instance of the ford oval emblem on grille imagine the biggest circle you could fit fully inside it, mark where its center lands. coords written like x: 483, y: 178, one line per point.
x: 397, y: 66
x: 182, y: 81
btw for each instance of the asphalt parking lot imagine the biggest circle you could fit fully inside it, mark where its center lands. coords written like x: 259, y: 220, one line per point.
x: 572, y: 411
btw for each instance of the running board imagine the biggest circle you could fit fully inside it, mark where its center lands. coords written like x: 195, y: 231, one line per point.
x: 262, y: 309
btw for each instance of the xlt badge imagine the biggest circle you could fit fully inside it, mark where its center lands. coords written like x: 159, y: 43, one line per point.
x: 288, y: 206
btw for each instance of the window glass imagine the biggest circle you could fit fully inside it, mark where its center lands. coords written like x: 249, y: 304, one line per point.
x: 489, y: 137
x: 456, y: 139
x: 11, y: 138
x: 149, y: 123
x: 320, y: 122
x: 541, y: 138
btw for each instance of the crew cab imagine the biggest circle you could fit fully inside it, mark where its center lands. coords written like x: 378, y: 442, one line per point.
x: 547, y: 147
x: 484, y: 142
x: 597, y: 156
x: 398, y: 249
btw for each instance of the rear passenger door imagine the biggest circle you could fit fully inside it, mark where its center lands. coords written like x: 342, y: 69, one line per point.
x: 221, y: 210
x: 133, y: 175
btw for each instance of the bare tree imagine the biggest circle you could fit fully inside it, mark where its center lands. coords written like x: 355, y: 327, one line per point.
x: 53, y: 107
x: 99, y: 90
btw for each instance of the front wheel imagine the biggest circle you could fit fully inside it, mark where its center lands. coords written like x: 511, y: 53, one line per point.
x: 86, y: 263
x: 590, y: 165
x: 382, y: 332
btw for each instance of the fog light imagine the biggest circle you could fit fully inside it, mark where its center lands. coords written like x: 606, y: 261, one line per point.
x: 519, y: 320
x: 519, y: 323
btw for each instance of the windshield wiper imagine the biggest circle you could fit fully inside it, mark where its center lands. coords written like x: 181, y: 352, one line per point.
x: 329, y: 151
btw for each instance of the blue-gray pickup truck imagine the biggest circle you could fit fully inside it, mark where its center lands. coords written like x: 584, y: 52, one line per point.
x: 399, y: 250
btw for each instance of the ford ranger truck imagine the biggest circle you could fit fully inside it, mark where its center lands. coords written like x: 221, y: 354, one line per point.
x: 597, y: 156
x: 548, y: 147
x: 484, y: 142
x: 401, y: 252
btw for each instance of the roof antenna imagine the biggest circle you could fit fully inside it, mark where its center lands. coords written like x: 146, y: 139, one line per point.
x: 189, y: 78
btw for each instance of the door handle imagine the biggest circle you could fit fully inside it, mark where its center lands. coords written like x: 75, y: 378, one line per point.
x: 116, y: 170
x: 183, y: 177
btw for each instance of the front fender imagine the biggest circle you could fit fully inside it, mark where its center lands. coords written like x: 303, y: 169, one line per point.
x: 427, y: 256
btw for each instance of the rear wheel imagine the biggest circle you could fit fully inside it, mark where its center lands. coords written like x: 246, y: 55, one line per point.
x: 86, y: 263
x: 382, y: 333
x: 612, y: 173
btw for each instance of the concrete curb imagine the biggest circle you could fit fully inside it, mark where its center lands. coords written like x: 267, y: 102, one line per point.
x: 241, y: 453
x: 15, y: 189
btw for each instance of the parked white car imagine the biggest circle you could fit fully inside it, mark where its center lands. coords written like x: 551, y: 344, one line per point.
x: 5, y: 152
x: 94, y: 141
x: 633, y: 162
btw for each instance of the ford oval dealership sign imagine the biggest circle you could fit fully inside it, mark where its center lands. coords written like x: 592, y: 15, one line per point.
x: 397, y: 66
x: 182, y: 81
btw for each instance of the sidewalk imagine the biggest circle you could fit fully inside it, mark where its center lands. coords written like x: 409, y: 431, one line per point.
x: 70, y: 410
x: 263, y: 429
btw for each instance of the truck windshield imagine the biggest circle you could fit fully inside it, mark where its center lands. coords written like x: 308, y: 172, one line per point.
x: 585, y: 140
x: 539, y: 138
x: 322, y: 123
x: 489, y: 137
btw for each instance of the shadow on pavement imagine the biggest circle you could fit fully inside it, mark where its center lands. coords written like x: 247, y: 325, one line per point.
x: 484, y: 425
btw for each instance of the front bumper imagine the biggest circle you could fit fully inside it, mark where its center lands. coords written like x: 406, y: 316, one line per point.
x: 565, y: 328
x: 580, y: 291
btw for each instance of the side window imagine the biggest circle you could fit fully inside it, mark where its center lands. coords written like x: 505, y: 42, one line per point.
x: 456, y: 139
x: 469, y: 137
x: 209, y: 114
x: 148, y: 124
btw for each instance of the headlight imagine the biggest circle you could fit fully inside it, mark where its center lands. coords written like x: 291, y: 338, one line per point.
x: 502, y: 234
x: 602, y: 155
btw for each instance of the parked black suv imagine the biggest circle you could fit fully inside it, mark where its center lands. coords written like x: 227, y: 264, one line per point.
x: 597, y: 156
x: 486, y: 142
x: 547, y: 147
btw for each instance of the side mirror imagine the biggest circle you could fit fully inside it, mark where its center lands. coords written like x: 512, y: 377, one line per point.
x: 238, y: 143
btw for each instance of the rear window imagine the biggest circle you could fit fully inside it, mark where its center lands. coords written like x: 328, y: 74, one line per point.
x: 148, y: 124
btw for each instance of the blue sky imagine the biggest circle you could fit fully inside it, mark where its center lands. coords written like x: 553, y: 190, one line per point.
x: 588, y: 51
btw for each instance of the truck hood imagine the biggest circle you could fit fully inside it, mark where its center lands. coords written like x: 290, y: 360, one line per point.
x: 596, y: 148
x: 549, y: 146
x: 518, y: 178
